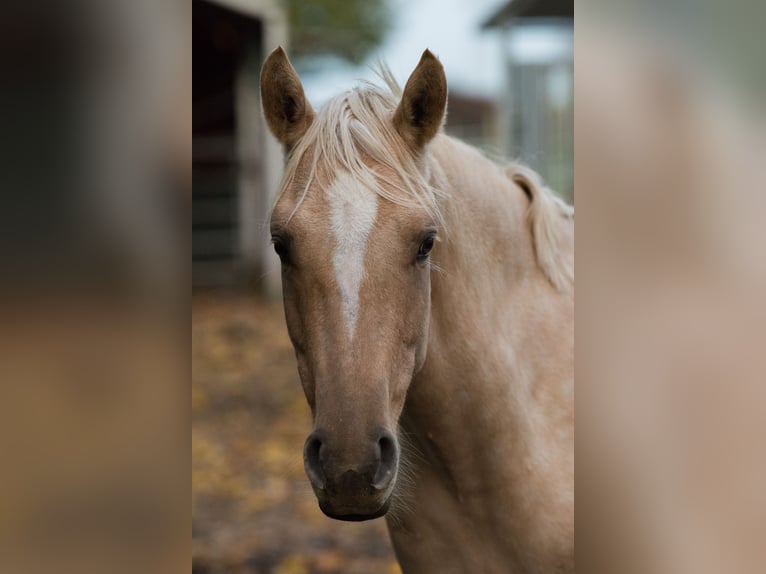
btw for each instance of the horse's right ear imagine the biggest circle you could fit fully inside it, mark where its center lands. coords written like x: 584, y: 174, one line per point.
x: 287, y: 111
x: 420, y: 113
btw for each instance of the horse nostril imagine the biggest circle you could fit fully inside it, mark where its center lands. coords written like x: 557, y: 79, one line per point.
x: 387, y: 452
x: 312, y: 462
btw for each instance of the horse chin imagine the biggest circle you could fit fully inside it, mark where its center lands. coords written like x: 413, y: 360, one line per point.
x: 351, y: 515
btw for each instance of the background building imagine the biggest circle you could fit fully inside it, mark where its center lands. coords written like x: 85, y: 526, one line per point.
x: 536, y: 116
x: 236, y: 166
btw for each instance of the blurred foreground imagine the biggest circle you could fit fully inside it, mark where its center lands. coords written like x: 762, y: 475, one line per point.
x: 253, y: 509
x: 671, y: 272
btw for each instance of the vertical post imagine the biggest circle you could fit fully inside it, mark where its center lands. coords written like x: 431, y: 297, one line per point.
x: 503, y: 141
x: 250, y: 160
x: 260, y: 157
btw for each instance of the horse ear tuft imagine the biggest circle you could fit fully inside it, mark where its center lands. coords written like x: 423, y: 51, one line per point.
x: 420, y: 113
x: 287, y: 111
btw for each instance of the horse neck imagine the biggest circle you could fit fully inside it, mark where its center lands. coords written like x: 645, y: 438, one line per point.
x: 487, y: 253
x: 488, y: 296
x: 485, y: 231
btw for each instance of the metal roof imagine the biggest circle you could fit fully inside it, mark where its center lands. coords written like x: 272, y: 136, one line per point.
x: 251, y: 8
x: 530, y: 9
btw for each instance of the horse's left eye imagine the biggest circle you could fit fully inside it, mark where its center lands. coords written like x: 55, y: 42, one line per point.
x: 425, y: 247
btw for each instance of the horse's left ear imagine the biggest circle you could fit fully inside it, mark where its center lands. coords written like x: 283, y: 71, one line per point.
x: 421, y: 111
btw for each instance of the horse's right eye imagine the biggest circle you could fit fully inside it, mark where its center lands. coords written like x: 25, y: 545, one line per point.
x: 281, y: 249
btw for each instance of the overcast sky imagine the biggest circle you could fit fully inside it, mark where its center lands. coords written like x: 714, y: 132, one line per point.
x: 451, y: 29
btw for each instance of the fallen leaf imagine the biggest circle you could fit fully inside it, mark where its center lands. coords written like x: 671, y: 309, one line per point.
x: 292, y: 565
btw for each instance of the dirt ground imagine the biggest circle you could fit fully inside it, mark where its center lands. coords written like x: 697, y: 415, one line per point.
x: 252, y: 508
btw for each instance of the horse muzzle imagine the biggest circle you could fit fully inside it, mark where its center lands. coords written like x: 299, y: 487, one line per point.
x: 346, y: 491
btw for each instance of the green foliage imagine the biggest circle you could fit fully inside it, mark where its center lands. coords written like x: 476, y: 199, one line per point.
x: 349, y: 29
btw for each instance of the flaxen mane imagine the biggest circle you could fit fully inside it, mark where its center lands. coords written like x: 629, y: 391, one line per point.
x: 354, y: 128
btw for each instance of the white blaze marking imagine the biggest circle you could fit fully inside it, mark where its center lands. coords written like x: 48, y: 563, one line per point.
x: 354, y: 208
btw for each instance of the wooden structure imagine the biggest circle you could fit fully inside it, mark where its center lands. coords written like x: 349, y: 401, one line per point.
x: 236, y: 164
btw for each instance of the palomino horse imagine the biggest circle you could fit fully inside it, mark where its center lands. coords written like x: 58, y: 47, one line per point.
x: 429, y: 296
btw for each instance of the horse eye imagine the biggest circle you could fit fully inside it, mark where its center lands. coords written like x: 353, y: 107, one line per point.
x: 425, y: 247
x: 280, y: 247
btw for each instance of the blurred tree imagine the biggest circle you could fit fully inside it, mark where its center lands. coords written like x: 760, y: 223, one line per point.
x: 349, y: 29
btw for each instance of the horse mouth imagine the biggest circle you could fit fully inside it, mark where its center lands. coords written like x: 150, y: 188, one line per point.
x: 352, y: 515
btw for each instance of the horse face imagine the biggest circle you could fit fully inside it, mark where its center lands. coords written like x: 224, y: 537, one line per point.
x: 356, y: 284
x: 355, y: 272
